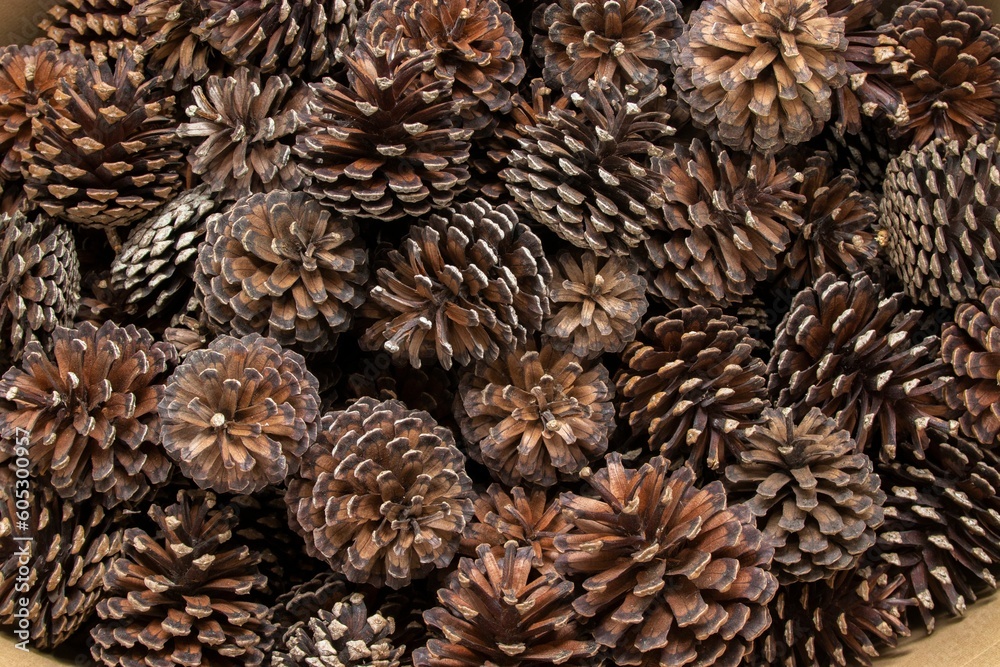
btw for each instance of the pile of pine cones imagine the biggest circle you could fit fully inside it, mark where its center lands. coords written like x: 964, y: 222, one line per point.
x: 461, y: 333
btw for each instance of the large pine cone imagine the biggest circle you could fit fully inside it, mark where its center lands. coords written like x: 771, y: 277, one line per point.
x: 238, y: 416
x: 184, y: 596
x: 816, y: 493
x: 762, y: 74
x: 690, y: 382
x: 382, y: 494
x: 282, y: 264
x: 169, y: 36
x: 461, y: 288
x: 673, y: 574
x: 90, y: 412
x: 942, y: 221
x: 97, y: 29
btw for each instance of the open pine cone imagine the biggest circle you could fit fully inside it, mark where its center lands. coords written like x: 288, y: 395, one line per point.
x: 98, y: 29
x: 169, y: 37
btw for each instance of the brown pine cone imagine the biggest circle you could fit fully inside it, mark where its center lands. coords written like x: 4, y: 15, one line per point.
x: 169, y: 37
x: 850, y: 351
x: 727, y: 219
x: 627, y: 43
x: 461, y: 288
x: 97, y: 29
x: 587, y: 176
x: 690, y: 382
x: 302, y: 602
x: 53, y: 564
x: 384, y: 146
x: 815, y: 491
x: 535, y: 416
x: 90, y: 412
x: 673, y: 574
x: 761, y: 74
x: 184, y: 596
x: 502, y: 612
x: 238, y: 416
x: 940, y: 216
x: 283, y: 264
x: 950, y: 78
x: 596, y: 303
x: 242, y: 129
x: 382, y: 494
x: 39, y: 282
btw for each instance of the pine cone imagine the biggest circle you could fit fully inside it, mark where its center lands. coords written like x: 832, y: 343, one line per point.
x: 98, y: 29
x: 586, y: 174
x: 502, y: 612
x: 110, y: 156
x: 727, y: 220
x: 55, y: 561
x: 302, y: 602
x: 476, y: 47
x: 691, y: 382
x: 816, y: 492
x: 628, y: 43
x: 238, y: 416
x: 382, y: 494
x: 30, y: 77
x: 761, y: 73
x: 849, y: 350
x: 39, y: 282
x: 384, y: 146
x: 950, y: 78
x: 941, y: 219
x: 596, y: 302
x: 673, y: 574
x: 282, y: 264
x: 169, y: 35
x: 90, y: 412
x: 244, y: 129
x: 181, y: 597
x: 971, y: 347
x: 461, y: 288
x: 430, y: 389
x: 535, y: 416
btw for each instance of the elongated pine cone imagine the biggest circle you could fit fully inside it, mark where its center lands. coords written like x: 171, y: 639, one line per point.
x: 238, y: 416
x: 183, y: 596
x: 382, y: 494
x: 283, y: 264
x: 673, y: 575
x: 98, y: 29
x: 689, y: 383
x: 502, y: 612
x: 169, y: 36
x: 462, y: 287
x: 815, y: 491
x: 90, y: 412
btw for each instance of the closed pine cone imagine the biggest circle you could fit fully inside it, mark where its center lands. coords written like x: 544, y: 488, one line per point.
x: 98, y: 29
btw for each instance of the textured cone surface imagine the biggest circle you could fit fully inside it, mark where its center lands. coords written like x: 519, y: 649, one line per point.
x: 294, y: 608
x: 97, y: 29
x: 169, y: 34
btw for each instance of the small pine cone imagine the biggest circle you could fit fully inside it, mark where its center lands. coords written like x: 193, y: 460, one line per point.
x: 941, y: 219
x: 535, y: 416
x: 527, y: 517
x: 90, y: 412
x: 815, y: 491
x: 476, y: 47
x: 628, y: 43
x: 243, y: 129
x: 674, y: 575
x: 503, y: 612
x: 283, y: 264
x: 461, y: 288
x: 65, y: 550
x: 343, y: 636
x: 184, y: 596
x: 30, y: 77
x: 848, y: 350
x: 587, y: 176
x: 382, y: 494
x: 690, y: 382
x: 97, y: 29
x: 39, y: 282
x: 761, y: 74
x: 110, y: 156
x: 727, y: 219
x: 238, y: 416
x: 384, y: 146
x: 950, y: 78
x: 596, y: 303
